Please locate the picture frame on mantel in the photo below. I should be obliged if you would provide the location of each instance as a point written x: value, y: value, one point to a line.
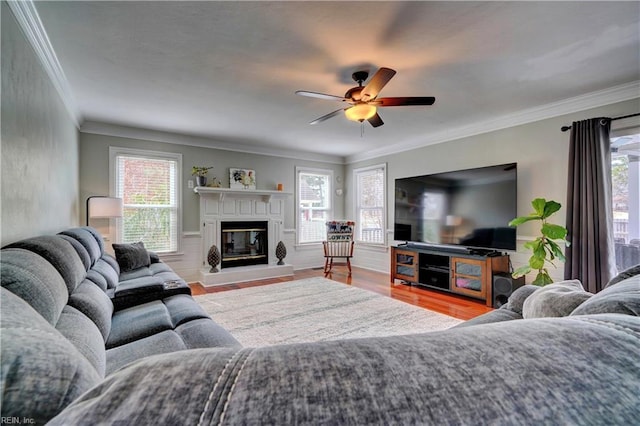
x: 242, y: 178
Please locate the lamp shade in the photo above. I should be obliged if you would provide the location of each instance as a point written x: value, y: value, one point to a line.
x: 360, y: 112
x: 104, y: 207
x: 452, y: 220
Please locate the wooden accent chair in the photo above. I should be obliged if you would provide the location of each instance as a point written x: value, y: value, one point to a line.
x: 339, y: 243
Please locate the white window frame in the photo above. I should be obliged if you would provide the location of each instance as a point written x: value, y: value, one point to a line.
x: 329, y: 208
x: 155, y: 155
x: 357, y: 207
x: 623, y: 127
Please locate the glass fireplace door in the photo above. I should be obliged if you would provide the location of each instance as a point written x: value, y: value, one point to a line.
x: 244, y: 243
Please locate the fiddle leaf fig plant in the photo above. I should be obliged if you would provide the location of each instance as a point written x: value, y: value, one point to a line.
x: 545, y: 248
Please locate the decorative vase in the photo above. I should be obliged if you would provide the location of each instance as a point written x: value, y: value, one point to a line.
x: 213, y: 258
x: 201, y: 181
x: 281, y: 252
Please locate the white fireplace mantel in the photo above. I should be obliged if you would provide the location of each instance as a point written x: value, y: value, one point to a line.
x: 224, y: 204
x: 221, y: 193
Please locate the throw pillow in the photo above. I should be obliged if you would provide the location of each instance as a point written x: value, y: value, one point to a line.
x: 555, y: 300
x: 622, y: 298
x: 627, y: 273
x: 517, y: 298
x: 131, y: 256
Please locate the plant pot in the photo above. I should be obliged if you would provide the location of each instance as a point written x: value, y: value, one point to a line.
x: 201, y: 181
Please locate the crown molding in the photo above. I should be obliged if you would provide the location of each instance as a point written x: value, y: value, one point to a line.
x: 108, y: 129
x: 596, y: 99
x: 29, y: 22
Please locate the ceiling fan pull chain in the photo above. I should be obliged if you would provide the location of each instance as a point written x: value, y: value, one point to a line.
x: 362, y: 129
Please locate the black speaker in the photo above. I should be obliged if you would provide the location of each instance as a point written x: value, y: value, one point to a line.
x: 503, y: 286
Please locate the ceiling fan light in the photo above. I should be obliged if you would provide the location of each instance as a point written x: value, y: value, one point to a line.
x: 360, y: 112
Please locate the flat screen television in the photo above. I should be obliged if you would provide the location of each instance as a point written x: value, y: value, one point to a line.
x: 462, y: 209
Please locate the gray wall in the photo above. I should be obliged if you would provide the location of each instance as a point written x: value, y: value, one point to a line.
x: 539, y: 148
x: 94, y: 171
x: 48, y: 169
x: 39, y: 144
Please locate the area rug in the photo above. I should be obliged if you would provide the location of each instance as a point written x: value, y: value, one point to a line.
x: 315, y: 309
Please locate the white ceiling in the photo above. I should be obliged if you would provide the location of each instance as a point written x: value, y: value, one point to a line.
x: 227, y: 71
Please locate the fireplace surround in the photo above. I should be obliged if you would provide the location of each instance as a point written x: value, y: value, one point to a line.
x: 249, y: 255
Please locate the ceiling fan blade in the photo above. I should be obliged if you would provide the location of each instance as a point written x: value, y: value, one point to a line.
x: 376, y: 121
x: 320, y: 96
x: 326, y: 117
x: 404, y: 101
x: 377, y: 82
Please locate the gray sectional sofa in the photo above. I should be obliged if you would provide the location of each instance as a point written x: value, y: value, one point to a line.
x: 552, y: 355
x: 64, y: 290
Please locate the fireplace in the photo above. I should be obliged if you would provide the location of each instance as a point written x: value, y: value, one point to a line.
x: 244, y: 243
x: 223, y: 210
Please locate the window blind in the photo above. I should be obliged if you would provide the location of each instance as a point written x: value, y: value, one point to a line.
x: 148, y: 187
x: 314, y: 204
x: 370, y: 204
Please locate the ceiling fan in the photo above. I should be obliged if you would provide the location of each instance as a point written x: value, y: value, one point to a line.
x: 363, y: 101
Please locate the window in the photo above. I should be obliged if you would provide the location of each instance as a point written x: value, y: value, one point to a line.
x: 149, y: 184
x: 313, y: 191
x: 625, y: 179
x: 370, y: 203
x: 433, y: 208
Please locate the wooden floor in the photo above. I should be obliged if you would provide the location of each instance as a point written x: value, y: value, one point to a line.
x: 455, y: 306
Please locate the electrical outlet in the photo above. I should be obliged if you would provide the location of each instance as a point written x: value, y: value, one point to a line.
x: 190, y: 184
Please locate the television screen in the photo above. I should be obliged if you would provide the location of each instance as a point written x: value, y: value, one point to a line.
x: 470, y: 208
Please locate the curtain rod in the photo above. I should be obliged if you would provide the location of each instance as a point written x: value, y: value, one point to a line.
x: 565, y: 128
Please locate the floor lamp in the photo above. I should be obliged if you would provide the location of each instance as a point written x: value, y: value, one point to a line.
x: 101, y: 207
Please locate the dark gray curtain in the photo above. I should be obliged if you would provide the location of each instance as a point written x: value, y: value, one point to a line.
x: 591, y: 256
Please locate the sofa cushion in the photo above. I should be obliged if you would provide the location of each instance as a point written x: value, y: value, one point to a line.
x: 60, y: 253
x: 555, y: 300
x: 627, y: 273
x: 569, y: 371
x: 98, y: 279
x: 136, y: 285
x: 144, y: 283
x: 84, y: 335
x: 497, y: 315
x: 622, y: 298
x: 93, y: 302
x: 131, y: 256
x: 163, y: 272
x: 183, y: 308
x: 205, y: 333
x: 111, y: 261
x: 171, y: 324
x: 160, y: 343
x: 134, y: 274
x: 83, y: 254
x: 149, y: 318
x: 158, y: 268
x: 89, y: 240
x: 104, y: 267
x: 42, y: 372
x: 161, y: 268
x: 35, y: 280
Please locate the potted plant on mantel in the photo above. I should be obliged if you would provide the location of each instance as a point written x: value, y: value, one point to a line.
x: 201, y: 174
x: 545, y: 249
